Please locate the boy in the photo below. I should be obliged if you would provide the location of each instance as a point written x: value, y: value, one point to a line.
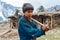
x: 27, y: 29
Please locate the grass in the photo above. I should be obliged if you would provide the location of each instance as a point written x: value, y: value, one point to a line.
x: 51, y: 35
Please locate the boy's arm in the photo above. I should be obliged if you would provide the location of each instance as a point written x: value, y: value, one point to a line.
x: 31, y: 31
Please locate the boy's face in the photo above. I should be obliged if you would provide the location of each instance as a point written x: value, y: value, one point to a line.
x: 28, y: 13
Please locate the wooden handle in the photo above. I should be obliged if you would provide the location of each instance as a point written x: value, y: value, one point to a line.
x: 37, y: 22
x: 41, y: 25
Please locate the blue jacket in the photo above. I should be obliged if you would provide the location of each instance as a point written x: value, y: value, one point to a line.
x: 27, y: 30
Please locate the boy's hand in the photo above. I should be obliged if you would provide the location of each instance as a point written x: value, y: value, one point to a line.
x: 45, y: 27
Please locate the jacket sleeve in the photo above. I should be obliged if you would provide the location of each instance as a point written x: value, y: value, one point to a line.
x: 39, y: 32
x: 31, y: 31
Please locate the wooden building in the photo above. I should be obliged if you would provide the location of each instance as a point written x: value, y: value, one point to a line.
x: 43, y: 17
x: 14, y: 20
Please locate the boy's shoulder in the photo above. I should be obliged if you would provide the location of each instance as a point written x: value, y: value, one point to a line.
x: 22, y: 19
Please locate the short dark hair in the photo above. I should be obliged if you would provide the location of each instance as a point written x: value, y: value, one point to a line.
x: 26, y: 7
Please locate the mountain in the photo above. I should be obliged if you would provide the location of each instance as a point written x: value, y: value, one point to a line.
x: 54, y: 8
x: 7, y: 10
x: 1, y: 18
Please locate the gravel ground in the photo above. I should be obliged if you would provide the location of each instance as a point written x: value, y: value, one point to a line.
x: 53, y: 34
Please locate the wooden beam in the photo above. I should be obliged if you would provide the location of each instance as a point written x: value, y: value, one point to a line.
x: 1, y: 34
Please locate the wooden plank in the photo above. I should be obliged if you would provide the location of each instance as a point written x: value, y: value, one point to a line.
x: 1, y: 34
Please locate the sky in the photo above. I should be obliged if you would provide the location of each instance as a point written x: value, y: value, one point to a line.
x: 35, y: 3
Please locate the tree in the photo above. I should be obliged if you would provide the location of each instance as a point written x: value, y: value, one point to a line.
x: 41, y: 9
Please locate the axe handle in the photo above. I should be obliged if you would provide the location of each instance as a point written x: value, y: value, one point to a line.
x: 37, y: 22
